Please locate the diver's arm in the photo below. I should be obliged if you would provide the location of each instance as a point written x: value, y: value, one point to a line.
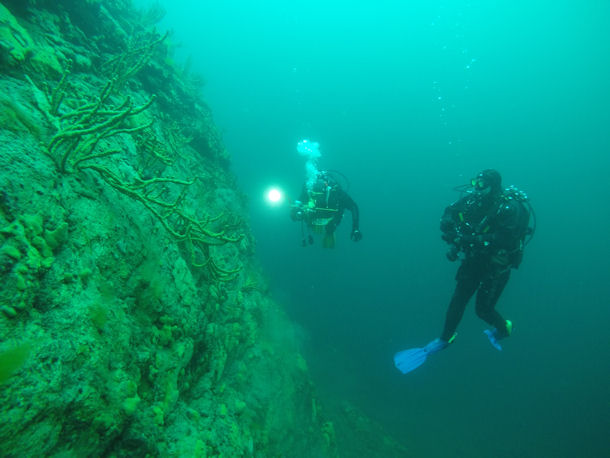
x: 348, y: 203
x: 450, y: 220
x: 297, y: 206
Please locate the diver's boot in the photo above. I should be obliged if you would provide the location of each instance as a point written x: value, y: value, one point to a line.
x: 494, y: 335
x: 438, y: 344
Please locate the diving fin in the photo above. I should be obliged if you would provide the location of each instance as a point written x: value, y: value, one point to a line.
x: 409, y: 360
x: 494, y: 336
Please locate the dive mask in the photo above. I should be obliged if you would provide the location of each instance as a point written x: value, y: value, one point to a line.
x: 480, y: 185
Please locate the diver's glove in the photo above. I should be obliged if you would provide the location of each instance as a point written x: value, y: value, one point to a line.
x: 356, y: 235
x: 453, y: 253
x: 296, y: 211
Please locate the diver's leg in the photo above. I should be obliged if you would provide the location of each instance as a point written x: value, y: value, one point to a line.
x: 467, y: 283
x: 329, y: 235
x: 487, y: 297
x: 329, y: 240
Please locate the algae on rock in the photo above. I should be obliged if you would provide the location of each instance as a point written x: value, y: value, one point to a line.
x: 133, y: 349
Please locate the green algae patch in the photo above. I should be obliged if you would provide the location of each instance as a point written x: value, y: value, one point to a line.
x: 131, y: 404
x: 12, y: 360
x: 57, y: 236
x: 11, y: 251
x: 98, y: 314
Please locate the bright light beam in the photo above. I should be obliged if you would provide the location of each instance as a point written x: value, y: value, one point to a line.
x: 275, y: 196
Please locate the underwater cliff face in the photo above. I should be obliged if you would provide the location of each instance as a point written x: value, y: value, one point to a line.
x: 133, y: 318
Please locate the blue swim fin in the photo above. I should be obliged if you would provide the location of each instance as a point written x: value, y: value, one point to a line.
x: 493, y: 335
x: 409, y: 360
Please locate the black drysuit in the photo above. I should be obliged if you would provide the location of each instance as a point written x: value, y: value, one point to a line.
x: 330, y: 202
x: 490, y: 231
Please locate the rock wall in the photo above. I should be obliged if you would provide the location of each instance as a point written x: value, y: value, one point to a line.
x: 133, y: 318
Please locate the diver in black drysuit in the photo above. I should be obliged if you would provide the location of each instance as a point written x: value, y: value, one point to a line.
x: 323, y: 206
x: 489, y: 228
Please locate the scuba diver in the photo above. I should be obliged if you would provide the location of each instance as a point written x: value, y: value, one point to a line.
x: 488, y: 228
x: 320, y: 208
